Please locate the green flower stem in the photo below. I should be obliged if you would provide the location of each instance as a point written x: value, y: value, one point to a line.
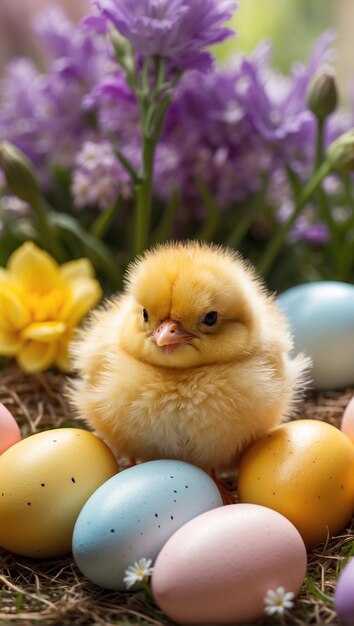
x: 348, y: 191
x: 144, y: 196
x: 152, y: 108
x: 346, y: 255
x: 102, y: 223
x: 211, y: 224
x: 164, y: 228
x: 294, y: 182
x: 241, y: 229
x: 275, y: 244
x: 319, y: 154
x: 129, y: 168
x: 146, y: 588
x: 325, y: 209
x: 48, y: 231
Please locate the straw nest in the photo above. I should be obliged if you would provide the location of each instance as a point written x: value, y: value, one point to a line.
x: 55, y: 592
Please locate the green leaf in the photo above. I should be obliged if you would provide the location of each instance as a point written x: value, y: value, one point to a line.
x: 100, y: 255
x: 211, y: 224
x: 101, y: 224
x: 164, y: 228
x: 246, y: 221
x: 24, y: 229
x: 311, y: 586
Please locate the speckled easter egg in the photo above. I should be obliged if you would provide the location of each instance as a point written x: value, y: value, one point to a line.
x: 347, y: 423
x: 217, y: 568
x: 305, y: 470
x: 321, y: 317
x: 9, y: 430
x: 344, y: 594
x: 45, y: 480
x: 133, y: 514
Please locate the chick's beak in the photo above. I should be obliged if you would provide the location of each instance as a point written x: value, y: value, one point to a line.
x: 170, y: 334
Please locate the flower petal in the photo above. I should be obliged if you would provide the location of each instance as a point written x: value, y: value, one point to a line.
x: 13, y: 313
x: 4, y: 275
x: 73, y: 270
x: 288, y: 596
x: 10, y: 343
x: 33, y: 268
x: 270, y: 610
x: 44, y: 332
x: 37, y: 357
x: 288, y: 604
x: 86, y: 292
x: 270, y: 596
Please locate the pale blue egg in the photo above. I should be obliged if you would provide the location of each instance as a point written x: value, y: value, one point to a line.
x: 132, y: 515
x: 321, y: 317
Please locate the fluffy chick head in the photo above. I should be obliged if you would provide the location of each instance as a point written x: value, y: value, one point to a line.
x: 190, y: 304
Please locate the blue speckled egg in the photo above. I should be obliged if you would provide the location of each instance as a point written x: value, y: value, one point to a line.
x: 132, y: 515
x: 321, y: 316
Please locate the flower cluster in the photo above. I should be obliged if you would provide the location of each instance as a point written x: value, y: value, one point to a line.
x: 99, y: 179
x: 131, y: 106
x: 180, y: 30
x: 42, y: 113
x: 230, y: 128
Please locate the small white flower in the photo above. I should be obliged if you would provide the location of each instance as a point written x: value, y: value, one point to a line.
x: 278, y: 601
x: 141, y: 570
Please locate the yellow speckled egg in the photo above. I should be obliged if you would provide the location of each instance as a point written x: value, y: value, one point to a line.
x: 305, y: 470
x: 45, y: 480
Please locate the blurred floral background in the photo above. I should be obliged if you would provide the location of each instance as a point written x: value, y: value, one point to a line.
x: 107, y: 149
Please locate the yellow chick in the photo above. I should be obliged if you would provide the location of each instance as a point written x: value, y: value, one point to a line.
x: 190, y: 362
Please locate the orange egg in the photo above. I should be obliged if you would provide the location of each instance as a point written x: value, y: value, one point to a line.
x: 305, y: 470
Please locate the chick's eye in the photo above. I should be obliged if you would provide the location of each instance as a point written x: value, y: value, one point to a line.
x: 210, y: 318
x: 145, y: 315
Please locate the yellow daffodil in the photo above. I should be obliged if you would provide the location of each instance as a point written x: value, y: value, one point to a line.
x: 41, y: 304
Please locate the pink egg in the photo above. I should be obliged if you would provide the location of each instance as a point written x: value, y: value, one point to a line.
x: 217, y: 568
x: 347, y: 425
x: 9, y: 430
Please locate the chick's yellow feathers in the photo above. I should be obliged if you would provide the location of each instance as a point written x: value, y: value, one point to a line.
x: 190, y: 362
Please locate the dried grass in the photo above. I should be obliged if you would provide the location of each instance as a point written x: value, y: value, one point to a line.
x: 55, y: 592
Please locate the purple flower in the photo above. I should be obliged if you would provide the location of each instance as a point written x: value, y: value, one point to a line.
x: 22, y: 106
x: 42, y: 113
x: 98, y: 177
x: 211, y: 135
x: 277, y: 105
x: 115, y: 106
x: 307, y: 228
x: 179, y: 30
x: 71, y: 51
